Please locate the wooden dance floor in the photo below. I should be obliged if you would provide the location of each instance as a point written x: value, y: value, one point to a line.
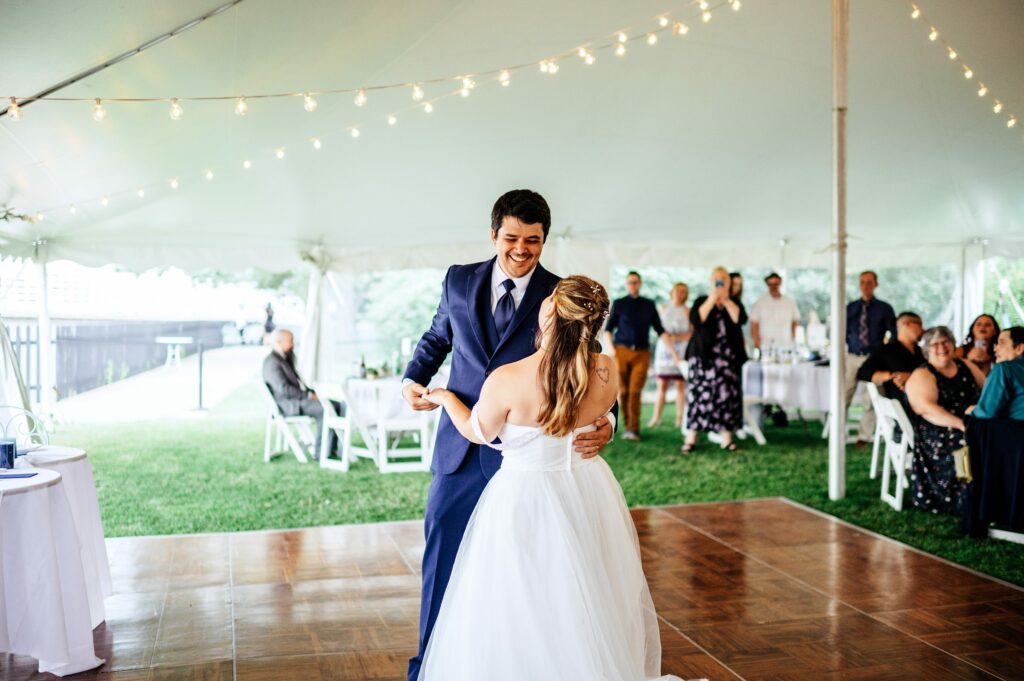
x: 762, y: 589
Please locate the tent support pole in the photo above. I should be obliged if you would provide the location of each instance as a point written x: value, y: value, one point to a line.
x: 837, y: 368
x: 46, y: 376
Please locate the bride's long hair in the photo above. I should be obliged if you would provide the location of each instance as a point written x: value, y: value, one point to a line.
x: 568, y: 341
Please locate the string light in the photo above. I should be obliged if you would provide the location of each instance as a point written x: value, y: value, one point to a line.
x: 176, y: 111
x: 241, y: 106
x: 982, y: 91
x: 392, y: 119
x: 355, y: 132
x: 360, y: 99
x: 98, y: 112
x: 998, y: 107
x: 622, y: 37
x: 933, y: 36
x: 704, y: 5
x: 173, y: 182
x: 428, y: 107
x: 141, y: 193
x: 680, y: 28
x: 968, y: 73
x: 14, y: 111
x: 464, y: 92
x: 316, y: 143
x: 705, y: 17
x: 245, y: 164
x: 504, y: 77
x: 73, y: 209
x: 279, y: 153
x: 208, y: 174
x: 545, y: 66
x: 581, y: 52
x: 104, y: 200
x: 417, y: 93
x: 952, y: 53
x: 736, y: 5
x: 620, y: 49
x: 308, y: 103
x: 663, y: 21
x: 1012, y: 122
x: 652, y: 38
x: 40, y: 217
x: 915, y: 12
x: 589, y: 59
x: 553, y: 67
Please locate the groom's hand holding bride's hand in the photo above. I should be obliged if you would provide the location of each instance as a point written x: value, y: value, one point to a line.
x: 435, y: 396
x: 415, y: 395
x: 590, y: 444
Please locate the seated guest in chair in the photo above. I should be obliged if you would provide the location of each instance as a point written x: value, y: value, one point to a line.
x: 294, y: 397
x: 979, y: 346
x: 890, y: 365
x: 941, y: 393
x: 1003, y: 396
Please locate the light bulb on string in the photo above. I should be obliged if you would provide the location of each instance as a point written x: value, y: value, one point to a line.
x: 241, y: 106
x: 317, y: 144
x: 652, y: 38
x: 308, y: 103
x: 680, y: 28
x: 173, y: 182
x: 620, y: 49
x: 553, y: 67
x: 589, y: 59
x: 504, y: 77
x: 72, y: 209
x: 14, y: 111
x: 581, y: 52
x: 915, y: 12
x: 703, y: 5
x: 934, y: 34
x: 622, y: 37
x: 176, y: 111
x: 245, y: 164
x: 982, y: 90
x: 545, y: 66
x: 968, y: 73
x: 952, y: 53
x: 40, y: 217
x: 736, y: 5
x: 1012, y: 122
x: 279, y: 153
x: 464, y: 92
x: 998, y: 107
x: 355, y: 132
x: 428, y: 107
x: 208, y: 174
x: 104, y: 200
x: 417, y: 93
x: 663, y: 21
x: 141, y: 193
x: 392, y: 119
x: 705, y: 17
x: 98, y: 112
x: 468, y: 83
x: 360, y: 99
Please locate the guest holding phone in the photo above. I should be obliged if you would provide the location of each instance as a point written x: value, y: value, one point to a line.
x: 715, y: 356
x: 979, y: 345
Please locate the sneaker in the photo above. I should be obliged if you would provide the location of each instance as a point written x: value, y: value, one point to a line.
x: 630, y: 435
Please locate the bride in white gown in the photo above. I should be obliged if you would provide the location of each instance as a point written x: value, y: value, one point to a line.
x: 547, y: 585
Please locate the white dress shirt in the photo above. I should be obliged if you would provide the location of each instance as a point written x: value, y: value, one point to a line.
x: 498, y: 277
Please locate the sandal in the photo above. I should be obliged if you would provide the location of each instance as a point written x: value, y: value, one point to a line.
x: 688, y: 448
x: 731, y: 447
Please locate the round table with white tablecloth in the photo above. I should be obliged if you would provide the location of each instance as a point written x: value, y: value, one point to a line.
x: 74, y: 467
x: 44, y: 606
x: 800, y: 385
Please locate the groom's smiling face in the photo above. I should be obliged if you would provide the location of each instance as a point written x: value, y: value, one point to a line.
x: 518, y: 245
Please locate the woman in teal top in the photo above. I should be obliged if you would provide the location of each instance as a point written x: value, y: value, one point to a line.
x: 1003, y: 396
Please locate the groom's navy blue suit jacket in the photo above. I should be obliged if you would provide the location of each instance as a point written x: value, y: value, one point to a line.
x: 464, y: 325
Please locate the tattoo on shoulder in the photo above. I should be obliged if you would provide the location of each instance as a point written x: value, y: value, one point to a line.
x: 603, y: 373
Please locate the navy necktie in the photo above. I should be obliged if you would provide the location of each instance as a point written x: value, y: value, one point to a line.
x: 506, y: 309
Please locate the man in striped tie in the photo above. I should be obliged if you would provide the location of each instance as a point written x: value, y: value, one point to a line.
x: 868, y: 321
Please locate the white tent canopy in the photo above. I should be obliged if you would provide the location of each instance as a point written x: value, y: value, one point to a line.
x: 711, y: 146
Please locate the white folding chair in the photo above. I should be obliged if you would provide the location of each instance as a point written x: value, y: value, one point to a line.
x: 342, y: 426
x: 897, y: 454
x: 876, y: 398
x: 394, y: 459
x: 297, y: 432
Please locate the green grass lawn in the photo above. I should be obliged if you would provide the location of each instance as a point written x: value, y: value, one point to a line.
x: 207, y: 475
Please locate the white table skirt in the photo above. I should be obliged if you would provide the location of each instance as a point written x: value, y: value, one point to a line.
x: 44, y: 607
x: 75, y: 469
x: 803, y: 385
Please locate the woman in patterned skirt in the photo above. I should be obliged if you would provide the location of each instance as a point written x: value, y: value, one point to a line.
x: 940, y: 393
x: 715, y: 357
x: 675, y: 317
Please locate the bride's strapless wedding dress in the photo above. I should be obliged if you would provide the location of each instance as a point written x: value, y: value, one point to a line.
x: 547, y: 585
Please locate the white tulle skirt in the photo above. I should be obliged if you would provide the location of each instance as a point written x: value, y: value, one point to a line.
x: 547, y: 585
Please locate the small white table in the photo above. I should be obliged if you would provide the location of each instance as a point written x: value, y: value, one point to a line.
x: 800, y: 385
x: 174, y: 345
x: 44, y: 605
x: 76, y: 471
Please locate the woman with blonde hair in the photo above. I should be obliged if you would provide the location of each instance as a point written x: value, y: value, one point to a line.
x: 675, y: 317
x: 547, y: 584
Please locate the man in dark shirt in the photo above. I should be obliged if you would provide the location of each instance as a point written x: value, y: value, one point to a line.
x: 890, y: 366
x: 631, y: 319
x: 868, y: 319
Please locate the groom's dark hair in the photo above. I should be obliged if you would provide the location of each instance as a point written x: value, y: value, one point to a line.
x: 525, y: 205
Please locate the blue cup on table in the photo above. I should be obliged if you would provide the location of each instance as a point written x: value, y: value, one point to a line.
x: 8, y: 452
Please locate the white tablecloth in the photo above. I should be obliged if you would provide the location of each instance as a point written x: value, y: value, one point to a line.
x: 803, y: 385
x: 44, y: 606
x: 74, y: 467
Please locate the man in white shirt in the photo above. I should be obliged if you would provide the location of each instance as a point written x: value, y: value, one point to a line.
x: 774, y: 317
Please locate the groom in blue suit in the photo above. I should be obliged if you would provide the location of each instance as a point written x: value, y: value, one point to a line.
x: 488, y: 316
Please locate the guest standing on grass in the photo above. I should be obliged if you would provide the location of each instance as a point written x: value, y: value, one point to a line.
x: 941, y: 392
x: 675, y: 317
x: 715, y: 356
x: 631, y: 320
x: 868, y: 320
